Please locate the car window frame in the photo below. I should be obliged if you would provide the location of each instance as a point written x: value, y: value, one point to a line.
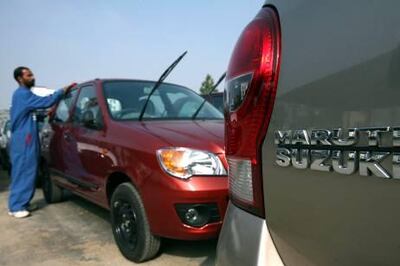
x: 53, y: 120
x: 78, y: 123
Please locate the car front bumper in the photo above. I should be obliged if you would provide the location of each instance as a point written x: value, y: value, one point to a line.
x: 162, y: 198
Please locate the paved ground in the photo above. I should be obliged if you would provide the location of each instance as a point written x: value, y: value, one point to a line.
x: 77, y: 232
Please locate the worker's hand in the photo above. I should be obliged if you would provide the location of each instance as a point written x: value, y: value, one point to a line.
x: 69, y: 87
x: 50, y: 111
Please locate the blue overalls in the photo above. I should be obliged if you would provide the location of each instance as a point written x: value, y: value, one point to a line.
x: 24, y: 148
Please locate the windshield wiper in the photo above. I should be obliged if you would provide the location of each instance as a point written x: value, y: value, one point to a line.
x: 160, y: 80
x: 205, y: 100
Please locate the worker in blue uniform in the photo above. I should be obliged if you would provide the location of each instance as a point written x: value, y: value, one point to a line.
x: 24, y: 149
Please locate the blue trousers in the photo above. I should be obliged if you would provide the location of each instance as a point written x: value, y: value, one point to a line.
x: 24, y: 151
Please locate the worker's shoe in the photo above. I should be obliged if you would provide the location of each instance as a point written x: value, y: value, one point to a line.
x: 19, y: 214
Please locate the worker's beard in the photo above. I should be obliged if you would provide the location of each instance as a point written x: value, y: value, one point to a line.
x: 30, y: 84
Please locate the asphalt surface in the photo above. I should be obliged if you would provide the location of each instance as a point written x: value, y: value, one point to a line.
x: 77, y: 232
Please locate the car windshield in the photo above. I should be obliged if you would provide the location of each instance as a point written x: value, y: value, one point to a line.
x: 126, y: 99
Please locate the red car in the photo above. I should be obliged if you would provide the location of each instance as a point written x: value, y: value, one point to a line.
x: 161, y: 171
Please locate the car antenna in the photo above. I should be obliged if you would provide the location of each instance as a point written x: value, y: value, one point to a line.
x: 160, y: 80
x: 211, y: 91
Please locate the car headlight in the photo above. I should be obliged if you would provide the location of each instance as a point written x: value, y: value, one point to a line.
x: 185, y: 163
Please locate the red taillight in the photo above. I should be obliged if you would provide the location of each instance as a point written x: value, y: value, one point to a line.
x: 250, y: 94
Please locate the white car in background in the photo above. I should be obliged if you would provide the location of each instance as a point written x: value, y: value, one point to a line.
x: 42, y: 91
x: 5, y: 135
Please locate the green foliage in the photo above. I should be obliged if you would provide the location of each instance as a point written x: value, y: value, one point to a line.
x: 207, y: 85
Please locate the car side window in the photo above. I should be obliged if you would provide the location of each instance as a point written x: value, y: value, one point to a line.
x: 64, y: 107
x: 87, y: 111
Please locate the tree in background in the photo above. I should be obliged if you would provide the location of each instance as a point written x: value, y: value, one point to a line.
x: 207, y: 85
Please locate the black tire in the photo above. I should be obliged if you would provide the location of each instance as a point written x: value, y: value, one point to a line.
x: 51, y: 192
x: 39, y: 177
x: 130, y: 225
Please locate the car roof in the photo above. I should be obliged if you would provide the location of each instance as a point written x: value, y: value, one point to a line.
x: 102, y: 80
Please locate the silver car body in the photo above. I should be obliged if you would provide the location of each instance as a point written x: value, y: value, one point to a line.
x: 340, y: 68
x: 5, y: 135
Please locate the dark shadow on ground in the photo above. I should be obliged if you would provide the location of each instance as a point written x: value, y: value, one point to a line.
x: 191, y: 249
x: 89, y: 206
x: 4, y: 181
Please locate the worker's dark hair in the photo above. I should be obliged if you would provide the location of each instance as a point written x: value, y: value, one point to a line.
x: 18, y: 72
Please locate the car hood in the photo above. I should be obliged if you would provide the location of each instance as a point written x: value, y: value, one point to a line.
x: 201, y: 135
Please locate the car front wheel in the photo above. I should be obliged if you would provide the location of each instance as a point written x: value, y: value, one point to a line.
x: 130, y: 225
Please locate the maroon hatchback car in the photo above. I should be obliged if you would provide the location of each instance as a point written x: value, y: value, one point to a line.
x: 161, y: 171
